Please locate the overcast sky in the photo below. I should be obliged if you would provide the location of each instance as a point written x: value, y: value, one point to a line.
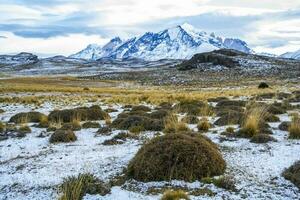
x: 65, y: 27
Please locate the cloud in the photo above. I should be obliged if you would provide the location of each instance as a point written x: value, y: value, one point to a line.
x: 269, y: 25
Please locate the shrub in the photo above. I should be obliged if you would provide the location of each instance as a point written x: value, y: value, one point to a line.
x: 230, y: 103
x: 203, y: 125
x: 293, y: 174
x: 263, y: 85
x: 74, y: 188
x: 120, y: 138
x: 262, y: 138
x: 175, y: 195
x: 62, y: 136
x: 190, y: 119
x: 294, y: 128
x: 24, y: 129
x: 90, y: 125
x: 80, y: 114
x: 125, y: 123
x: 136, y: 129
x: 169, y: 157
x: 27, y: 117
x: 159, y: 114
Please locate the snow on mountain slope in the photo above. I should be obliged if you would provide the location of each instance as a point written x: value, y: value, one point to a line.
x: 294, y: 55
x: 180, y: 42
x: 19, y: 59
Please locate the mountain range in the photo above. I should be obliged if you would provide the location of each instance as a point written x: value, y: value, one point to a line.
x: 180, y: 42
x: 293, y: 55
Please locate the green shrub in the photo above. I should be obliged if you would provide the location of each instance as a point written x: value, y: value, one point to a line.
x: 175, y: 195
x: 62, y: 136
x: 169, y: 157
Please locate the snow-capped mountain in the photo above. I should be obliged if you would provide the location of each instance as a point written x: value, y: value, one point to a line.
x: 294, y: 55
x: 180, y: 42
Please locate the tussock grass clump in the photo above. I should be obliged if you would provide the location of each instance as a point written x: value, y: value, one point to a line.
x: 192, y: 107
x: 75, y: 187
x: 74, y: 126
x: 62, y: 136
x: 2, y: 111
x: 225, y: 182
x: 79, y: 114
x: 120, y: 138
x: 104, y: 130
x: 230, y: 130
x: 2, y: 127
x: 27, y: 117
x: 284, y: 126
x: 175, y: 195
x: 254, y: 121
x: 169, y: 157
x: 294, y: 128
x: 190, y: 119
x: 203, y: 125
x: 44, y: 123
x: 172, y: 125
x: 231, y: 103
x: 293, y: 174
x: 24, y: 129
x: 262, y: 138
x: 229, y: 117
x: 141, y: 108
x: 90, y: 125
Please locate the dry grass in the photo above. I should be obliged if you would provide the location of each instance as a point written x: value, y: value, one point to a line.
x: 254, y: 118
x: 114, y: 92
x: 172, y: 125
x: 294, y: 128
x: 175, y: 195
x: 203, y: 125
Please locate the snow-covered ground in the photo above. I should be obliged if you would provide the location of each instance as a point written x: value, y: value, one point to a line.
x: 32, y: 168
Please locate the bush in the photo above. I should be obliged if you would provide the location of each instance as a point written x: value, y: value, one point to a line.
x: 262, y: 138
x: 74, y: 188
x: 62, y: 136
x: 263, y: 85
x: 80, y: 114
x: 225, y: 182
x: 294, y: 128
x: 293, y: 174
x: 27, y: 117
x: 230, y: 130
x: 175, y: 195
x: 230, y: 103
x: 169, y: 157
x: 90, y: 125
x: 120, y: 138
x: 24, y: 129
x: 2, y: 111
x: 159, y: 114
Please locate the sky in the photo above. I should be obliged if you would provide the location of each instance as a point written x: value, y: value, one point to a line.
x: 64, y: 27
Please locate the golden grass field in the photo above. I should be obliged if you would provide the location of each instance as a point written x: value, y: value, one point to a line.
x: 124, y: 92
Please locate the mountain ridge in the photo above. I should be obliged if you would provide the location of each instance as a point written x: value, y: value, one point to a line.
x: 179, y: 42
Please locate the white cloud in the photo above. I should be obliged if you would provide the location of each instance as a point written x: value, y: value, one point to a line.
x: 63, y: 45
